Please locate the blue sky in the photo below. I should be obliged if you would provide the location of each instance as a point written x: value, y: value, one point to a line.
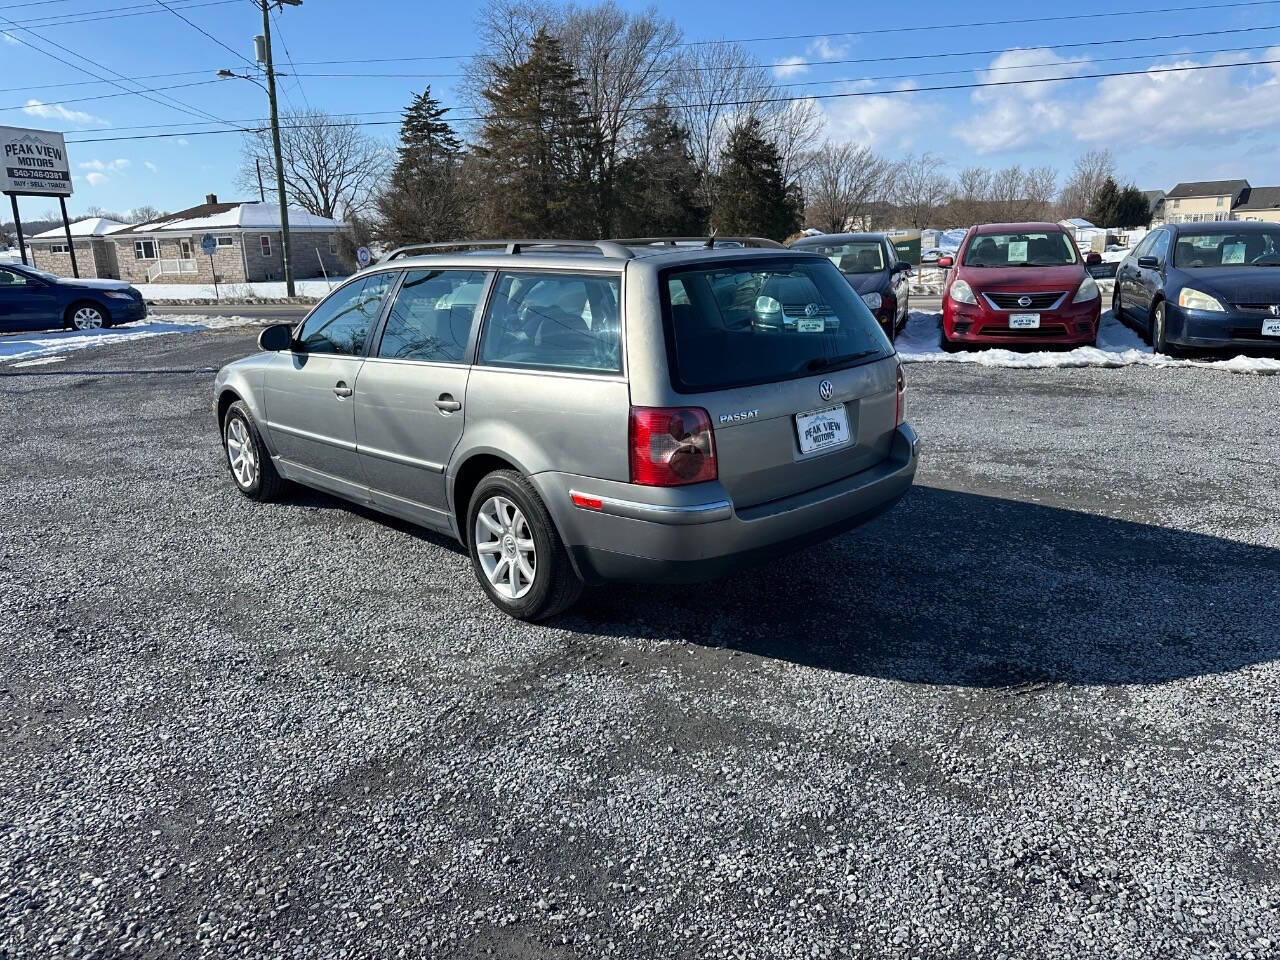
x: 1161, y: 127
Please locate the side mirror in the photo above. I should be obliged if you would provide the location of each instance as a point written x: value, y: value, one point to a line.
x: 277, y: 337
x: 945, y: 262
x: 1148, y: 263
x: 1092, y: 259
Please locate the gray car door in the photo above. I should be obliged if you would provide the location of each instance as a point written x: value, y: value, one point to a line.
x: 410, y: 391
x: 309, y: 392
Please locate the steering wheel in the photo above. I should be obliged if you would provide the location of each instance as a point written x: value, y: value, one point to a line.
x: 1271, y: 259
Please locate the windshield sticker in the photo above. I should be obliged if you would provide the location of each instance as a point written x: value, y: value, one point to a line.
x: 1233, y: 253
x: 1017, y: 251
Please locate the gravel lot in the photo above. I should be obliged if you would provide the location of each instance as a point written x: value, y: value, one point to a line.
x: 1033, y: 712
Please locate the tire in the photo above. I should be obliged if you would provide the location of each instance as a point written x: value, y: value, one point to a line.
x: 1157, y: 334
x: 247, y: 458
x: 948, y: 345
x: 524, y: 537
x: 85, y: 316
x: 1116, y: 311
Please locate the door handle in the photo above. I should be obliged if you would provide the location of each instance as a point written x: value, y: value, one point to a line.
x: 446, y: 404
x: 341, y: 390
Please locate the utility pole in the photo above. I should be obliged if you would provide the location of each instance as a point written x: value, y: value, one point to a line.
x: 286, y: 248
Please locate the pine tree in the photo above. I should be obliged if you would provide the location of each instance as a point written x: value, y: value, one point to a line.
x: 660, y: 186
x: 751, y: 197
x: 1103, y: 211
x: 1132, y: 209
x: 535, y: 144
x: 424, y: 200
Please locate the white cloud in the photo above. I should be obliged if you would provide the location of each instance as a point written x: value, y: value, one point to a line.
x: 1022, y: 114
x: 56, y: 111
x: 825, y: 49
x: 182, y: 141
x: 150, y: 166
x: 887, y: 124
x: 789, y: 67
x: 96, y: 179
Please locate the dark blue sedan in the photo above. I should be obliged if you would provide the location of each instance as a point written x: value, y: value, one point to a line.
x: 1203, y: 285
x: 31, y: 299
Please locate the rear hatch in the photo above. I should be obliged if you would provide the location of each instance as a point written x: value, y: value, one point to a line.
x: 798, y: 377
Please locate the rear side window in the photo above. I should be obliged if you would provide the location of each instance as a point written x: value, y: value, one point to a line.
x: 761, y: 321
x: 432, y: 315
x: 554, y: 322
x: 341, y: 324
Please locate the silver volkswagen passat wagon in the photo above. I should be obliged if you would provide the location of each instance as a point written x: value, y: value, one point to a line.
x: 578, y: 412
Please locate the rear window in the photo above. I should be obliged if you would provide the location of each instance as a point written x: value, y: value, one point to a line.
x: 761, y: 321
x: 1044, y: 249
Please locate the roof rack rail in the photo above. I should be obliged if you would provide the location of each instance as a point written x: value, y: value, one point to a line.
x: 707, y: 242
x: 606, y: 248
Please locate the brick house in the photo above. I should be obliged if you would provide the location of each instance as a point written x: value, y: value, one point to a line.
x: 95, y: 253
x: 248, y: 238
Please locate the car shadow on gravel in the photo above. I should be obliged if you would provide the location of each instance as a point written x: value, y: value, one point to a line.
x: 299, y: 496
x: 960, y: 589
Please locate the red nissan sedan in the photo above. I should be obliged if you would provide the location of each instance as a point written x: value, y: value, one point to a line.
x: 1018, y: 283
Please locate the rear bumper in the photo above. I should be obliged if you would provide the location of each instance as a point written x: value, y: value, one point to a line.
x: 1070, y: 324
x: 690, y: 534
x: 1213, y: 330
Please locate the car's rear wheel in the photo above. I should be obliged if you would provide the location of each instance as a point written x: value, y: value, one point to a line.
x: 1116, y: 310
x: 516, y: 551
x: 247, y: 456
x: 86, y: 316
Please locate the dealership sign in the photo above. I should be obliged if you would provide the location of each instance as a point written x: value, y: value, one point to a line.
x: 34, y: 162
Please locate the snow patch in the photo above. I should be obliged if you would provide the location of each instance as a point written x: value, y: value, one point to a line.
x: 238, y: 291
x: 1118, y: 346
x: 41, y: 346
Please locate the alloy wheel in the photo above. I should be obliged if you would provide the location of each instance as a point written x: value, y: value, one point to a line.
x: 87, y: 318
x: 505, y: 547
x: 241, y: 453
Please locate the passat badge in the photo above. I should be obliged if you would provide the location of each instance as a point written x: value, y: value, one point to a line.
x: 826, y: 389
x: 740, y: 415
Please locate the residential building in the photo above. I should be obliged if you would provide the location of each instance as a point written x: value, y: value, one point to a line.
x: 247, y: 240
x: 1204, y: 200
x: 1263, y: 203
x: 95, y: 254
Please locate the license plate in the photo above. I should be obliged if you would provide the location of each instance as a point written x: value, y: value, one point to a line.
x: 823, y: 429
x: 1271, y: 328
x: 1024, y: 321
x: 810, y: 326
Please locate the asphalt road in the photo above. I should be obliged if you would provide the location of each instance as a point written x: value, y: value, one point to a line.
x: 1033, y: 712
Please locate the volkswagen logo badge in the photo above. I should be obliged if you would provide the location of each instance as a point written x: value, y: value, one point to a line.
x: 825, y: 389
x: 811, y: 310
x: 1024, y: 301
x: 1275, y: 310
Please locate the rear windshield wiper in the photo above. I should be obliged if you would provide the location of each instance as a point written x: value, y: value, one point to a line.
x: 822, y: 363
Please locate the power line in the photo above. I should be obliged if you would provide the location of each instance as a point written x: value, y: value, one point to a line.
x: 289, y: 57
x: 90, y: 83
x: 124, y: 93
x: 109, y: 13
x: 196, y: 26
x: 1193, y: 68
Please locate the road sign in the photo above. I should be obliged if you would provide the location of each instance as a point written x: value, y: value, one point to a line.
x: 208, y: 244
x: 363, y: 256
x: 34, y: 162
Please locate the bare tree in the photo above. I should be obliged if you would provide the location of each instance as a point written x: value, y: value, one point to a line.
x: 1091, y: 171
x: 841, y: 183
x: 1040, y: 190
x: 920, y: 188
x: 793, y: 126
x: 971, y: 197
x: 331, y: 168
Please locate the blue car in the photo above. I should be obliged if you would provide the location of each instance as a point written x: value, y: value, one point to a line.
x: 31, y: 299
x: 1203, y: 285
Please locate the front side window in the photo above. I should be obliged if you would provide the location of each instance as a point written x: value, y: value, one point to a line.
x: 341, y: 324
x: 1160, y: 248
x: 144, y: 249
x: 1259, y: 248
x: 11, y: 278
x: 1045, y: 249
x: 554, y: 322
x: 432, y: 315
x: 762, y: 321
x: 266, y: 245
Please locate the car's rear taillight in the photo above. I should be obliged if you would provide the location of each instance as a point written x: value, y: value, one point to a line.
x: 902, y: 397
x: 671, y: 446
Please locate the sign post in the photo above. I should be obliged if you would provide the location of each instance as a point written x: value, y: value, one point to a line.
x: 209, y: 245
x: 33, y: 163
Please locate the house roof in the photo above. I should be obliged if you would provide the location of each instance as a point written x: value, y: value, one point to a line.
x: 232, y: 216
x: 1208, y: 188
x: 1262, y: 198
x: 91, y: 227
x: 1080, y: 223
x: 1154, y: 198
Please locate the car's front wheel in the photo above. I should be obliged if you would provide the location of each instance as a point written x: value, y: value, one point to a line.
x: 1117, y: 309
x: 247, y: 456
x: 86, y: 316
x: 516, y: 551
x: 1159, y: 335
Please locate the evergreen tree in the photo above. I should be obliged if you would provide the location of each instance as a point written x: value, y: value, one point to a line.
x: 659, y: 186
x: 751, y: 196
x: 1132, y: 208
x: 424, y: 200
x: 1103, y: 211
x: 535, y: 144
